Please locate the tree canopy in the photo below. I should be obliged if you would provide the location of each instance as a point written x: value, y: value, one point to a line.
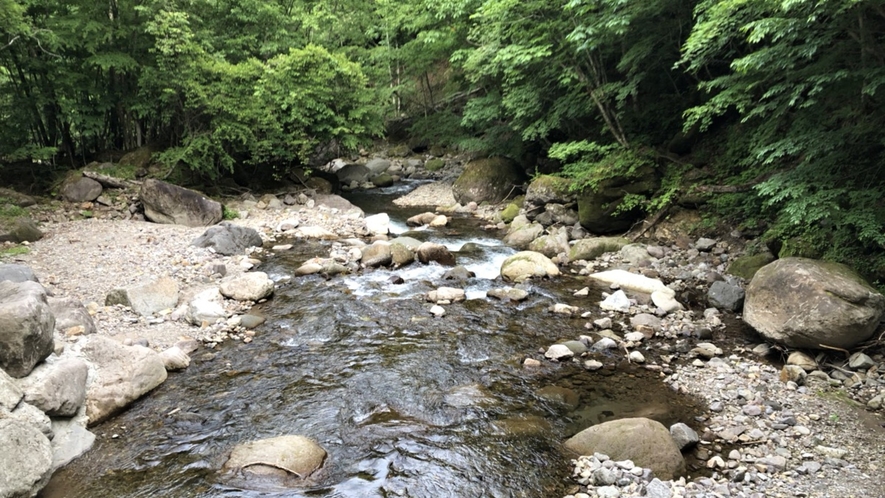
x: 777, y: 100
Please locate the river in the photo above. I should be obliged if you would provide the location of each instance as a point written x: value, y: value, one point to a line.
x: 406, y: 404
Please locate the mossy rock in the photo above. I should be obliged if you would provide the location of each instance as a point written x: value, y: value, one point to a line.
x: 800, y: 248
x: 598, y: 209
x: 488, y: 180
x: 510, y: 212
x: 401, y: 150
x: 592, y: 248
x: 437, y: 150
x: 747, y: 265
x: 435, y: 164
x: 548, y: 188
x: 383, y: 180
x: 139, y: 158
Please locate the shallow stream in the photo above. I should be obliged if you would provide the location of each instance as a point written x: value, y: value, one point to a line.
x: 405, y: 404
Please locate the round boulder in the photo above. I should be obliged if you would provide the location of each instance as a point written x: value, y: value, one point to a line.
x: 527, y: 264
x: 488, y: 180
x: 644, y: 441
x: 283, y: 460
x: 805, y: 303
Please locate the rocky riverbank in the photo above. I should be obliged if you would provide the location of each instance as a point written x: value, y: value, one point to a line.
x: 762, y: 436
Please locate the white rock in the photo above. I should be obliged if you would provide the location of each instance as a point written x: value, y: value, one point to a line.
x: 633, y: 281
x: 437, y: 310
x: 559, y: 352
x: 618, y: 301
x: 636, y: 357
x: 378, y: 224
x: 666, y: 301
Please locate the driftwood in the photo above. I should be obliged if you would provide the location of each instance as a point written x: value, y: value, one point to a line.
x: 110, y: 181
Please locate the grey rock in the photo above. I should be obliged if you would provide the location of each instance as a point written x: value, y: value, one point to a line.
x: 146, y: 298
x: 725, y: 296
x: 576, y: 347
x: 297, y: 456
x: 26, y: 327
x: 228, y: 239
x: 657, y: 489
x: 378, y: 254
x: 353, y: 173
x: 171, y: 204
x: 57, y: 388
x: 636, y: 254
x: 430, y: 252
x: 71, y: 313
x: 592, y: 248
x: 81, y: 190
x: 801, y: 302
x: 206, y: 307
x: 175, y: 358
x: 71, y: 440
x: 860, y: 361
x: 521, y: 237
x: 34, y: 417
x: 527, y: 264
x: 644, y: 441
x: 122, y: 375
x: 705, y: 244
x: 10, y: 393
x: 378, y: 165
x: 16, y: 273
x: 509, y: 294
x: 251, y: 286
x: 20, y: 229
x: 683, y: 435
x: 26, y: 459
x: 458, y: 273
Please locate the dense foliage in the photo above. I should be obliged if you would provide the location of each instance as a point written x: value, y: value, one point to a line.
x: 777, y: 103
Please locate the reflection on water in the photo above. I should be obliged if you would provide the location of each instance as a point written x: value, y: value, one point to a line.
x: 406, y: 404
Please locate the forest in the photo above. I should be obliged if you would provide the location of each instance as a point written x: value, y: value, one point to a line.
x: 765, y: 114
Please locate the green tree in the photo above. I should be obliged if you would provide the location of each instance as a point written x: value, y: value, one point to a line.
x: 804, y: 79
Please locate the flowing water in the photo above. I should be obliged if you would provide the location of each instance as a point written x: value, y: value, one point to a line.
x: 405, y: 404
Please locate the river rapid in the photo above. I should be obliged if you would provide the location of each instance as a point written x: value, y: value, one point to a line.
x: 405, y: 403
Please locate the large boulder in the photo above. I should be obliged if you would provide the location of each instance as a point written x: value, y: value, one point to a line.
x: 598, y: 209
x: 378, y: 254
x: 428, y: 252
x: 592, y: 248
x: 122, y: 374
x: 19, y: 229
x: 69, y: 314
x: 146, y: 298
x: 206, y: 308
x: 527, y: 264
x: 284, y: 460
x: 58, y: 388
x: 16, y: 273
x: 171, y: 204
x: 251, y: 286
x: 26, y: 459
x: 644, y: 441
x: 521, y: 236
x: 804, y: 303
x: 351, y: 173
x: 26, y: 327
x: 552, y: 244
x: 488, y: 180
x: 378, y: 165
x: 228, y: 239
x: 545, y: 189
x: 80, y: 189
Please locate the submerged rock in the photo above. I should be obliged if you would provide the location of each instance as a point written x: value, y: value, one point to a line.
x: 282, y: 461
